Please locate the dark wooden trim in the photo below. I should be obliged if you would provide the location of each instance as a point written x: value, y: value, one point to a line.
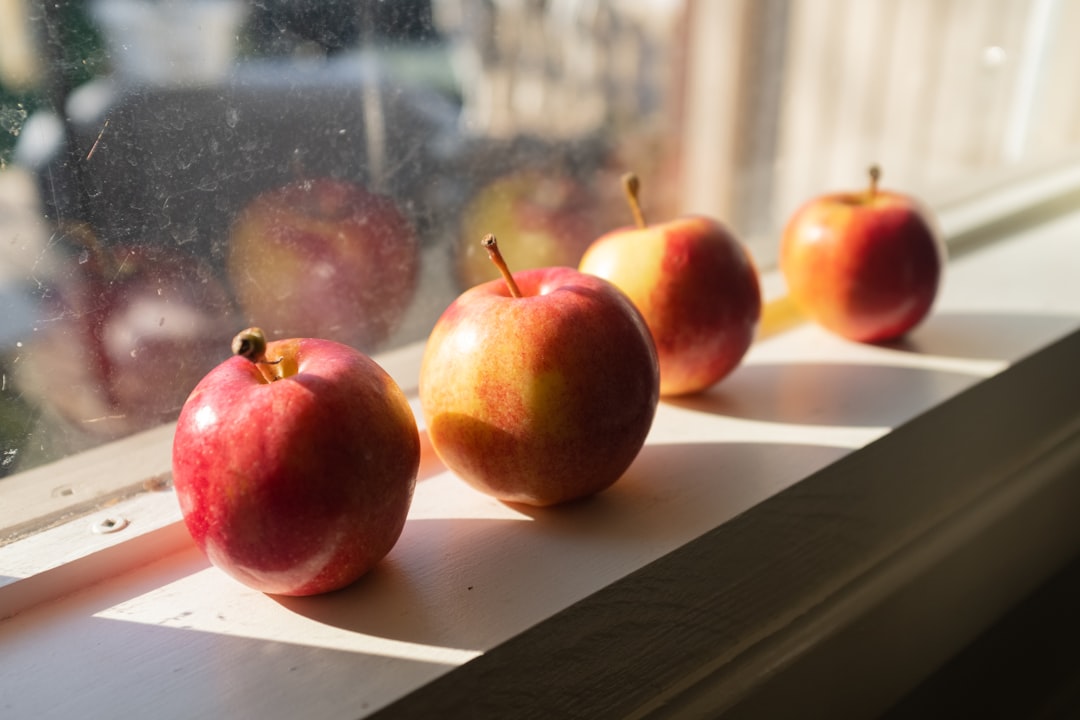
x: 741, y: 608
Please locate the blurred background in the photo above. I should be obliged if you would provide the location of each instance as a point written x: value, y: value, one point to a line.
x: 172, y: 171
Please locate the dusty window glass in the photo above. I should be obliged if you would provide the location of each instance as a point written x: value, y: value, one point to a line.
x: 174, y: 171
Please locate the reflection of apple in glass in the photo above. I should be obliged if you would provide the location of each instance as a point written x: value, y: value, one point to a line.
x: 544, y: 220
x: 294, y: 463
x: 865, y: 265
x: 541, y: 387
x: 323, y: 258
x: 126, y: 331
x: 694, y: 283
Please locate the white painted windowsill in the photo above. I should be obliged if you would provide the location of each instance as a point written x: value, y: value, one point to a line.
x: 138, y: 624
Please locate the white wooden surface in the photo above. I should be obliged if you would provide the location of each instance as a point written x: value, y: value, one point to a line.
x: 177, y: 638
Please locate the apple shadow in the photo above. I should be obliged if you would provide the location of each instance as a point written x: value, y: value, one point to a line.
x: 835, y: 394
x: 879, y: 395
x: 985, y: 336
x: 472, y: 583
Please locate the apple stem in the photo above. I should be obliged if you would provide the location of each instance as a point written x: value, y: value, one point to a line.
x: 632, y: 186
x: 251, y: 344
x: 875, y: 177
x: 492, y: 246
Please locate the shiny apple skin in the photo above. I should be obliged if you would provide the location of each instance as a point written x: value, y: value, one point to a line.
x: 865, y: 268
x: 541, y: 220
x: 301, y: 485
x: 696, y: 287
x: 541, y: 399
x: 324, y: 258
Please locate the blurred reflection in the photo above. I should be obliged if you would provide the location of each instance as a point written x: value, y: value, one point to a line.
x: 123, y: 333
x: 321, y: 168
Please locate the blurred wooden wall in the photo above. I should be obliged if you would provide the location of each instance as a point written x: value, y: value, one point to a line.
x: 790, y: 98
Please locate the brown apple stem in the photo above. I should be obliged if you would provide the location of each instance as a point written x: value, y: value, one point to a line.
x: 875, y: 178
x: 492, y: 246
x: 632, y: 186
x: 251, y: 344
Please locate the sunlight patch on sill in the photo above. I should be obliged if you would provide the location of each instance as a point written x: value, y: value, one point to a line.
x: 445, y: 496
x: 253, y: 615
x: 754, y: 432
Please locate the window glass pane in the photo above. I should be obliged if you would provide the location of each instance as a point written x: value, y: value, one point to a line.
x: 174, y: 171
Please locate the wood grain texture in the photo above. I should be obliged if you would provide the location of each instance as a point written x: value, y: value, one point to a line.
x: 739, y: 595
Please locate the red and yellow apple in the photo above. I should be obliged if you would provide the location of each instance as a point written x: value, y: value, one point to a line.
x: 294, y: 463
x: 865, y: 265
x: 696, y: 287
x: 545, y: 220
x: 539, y: 388
x: 126, y: 331
x: 323, y: 258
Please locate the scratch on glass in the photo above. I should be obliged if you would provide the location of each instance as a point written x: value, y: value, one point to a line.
x: 104, y: 418
x: 94, y: 146
x: 123, y: 264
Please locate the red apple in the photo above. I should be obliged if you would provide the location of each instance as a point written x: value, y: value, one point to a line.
x: 323, y: 258
x: 294, y: 462
x: 696, y: 286
x: 545, y: 220
x: 126, y: 331
x: 539, y: 388
x: 865, y: 265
